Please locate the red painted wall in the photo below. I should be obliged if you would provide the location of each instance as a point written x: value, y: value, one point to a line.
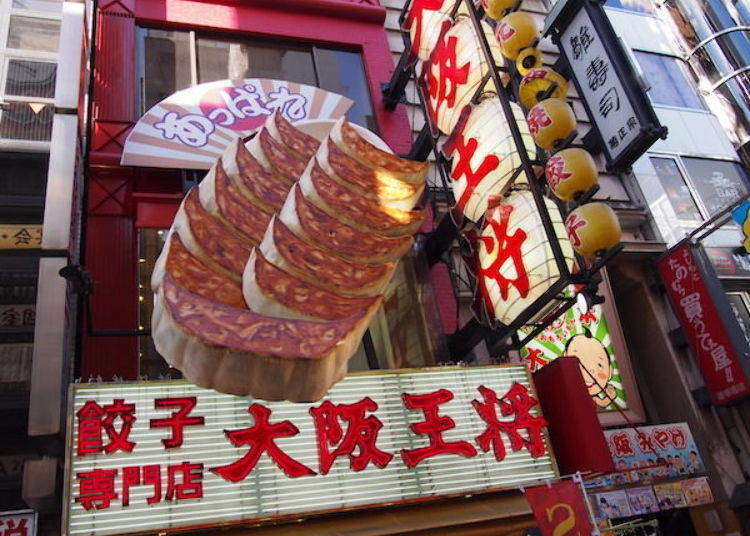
x: 118, y: 197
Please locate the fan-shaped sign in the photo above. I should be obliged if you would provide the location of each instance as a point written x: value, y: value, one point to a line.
x: 193, y: 127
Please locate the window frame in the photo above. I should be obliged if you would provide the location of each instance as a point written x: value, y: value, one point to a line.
x: 683, y: 67
x: 7, y: 54
x: 699, y: 203
x: 194, y: 36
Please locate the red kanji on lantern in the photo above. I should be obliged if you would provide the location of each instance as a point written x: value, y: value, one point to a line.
x: 509, y: 247
x: 504, y: 30
x: 96, y: 488
x: 555, y: 171
x: 466, y: 150
x: 178, y: 420
x: 190, y: 482
x: 517, y: 402
x: 443, y: 88
x: 361, y: 433
x: 16, y: 527
x: 622, y: 446
x: 433, y: 427
x: 538, y: 118
x: 534, y: 358
x: 261, y: 438
x: 416, y: 17
x: 572, y: 224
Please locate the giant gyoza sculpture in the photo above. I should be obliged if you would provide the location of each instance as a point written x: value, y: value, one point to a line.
x: 276, y: 262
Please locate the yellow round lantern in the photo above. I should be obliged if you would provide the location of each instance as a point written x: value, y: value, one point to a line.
x: 515, y: 32
x: 593, y: 228
x: 529, y: 59
x: 484, y: 157
x: 496, y: 8
x: 551, y: 122
x: 570, y: 173
x: 516, y: 263
x: 537, y: 82
x: 456, y: 70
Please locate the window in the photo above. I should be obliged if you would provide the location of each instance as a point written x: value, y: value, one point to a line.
x: 698, y: 188
x: 28, y: 55
x: 718, y: 183
x: 670, y: 83
x: 167, y: 67
x: 23, y: 184
x: 737, y: 300
x: 637, y: 6
x: 677, y: 190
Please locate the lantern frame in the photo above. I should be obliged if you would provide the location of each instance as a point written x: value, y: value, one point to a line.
x: 553, y: 302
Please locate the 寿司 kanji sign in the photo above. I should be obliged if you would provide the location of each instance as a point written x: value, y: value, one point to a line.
x: 717, y: 343
x: 160, y: 455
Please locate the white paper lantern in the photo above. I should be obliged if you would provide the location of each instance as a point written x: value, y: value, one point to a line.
x: 425, y: 21
x: 485, y: 157
x: 516, y: 260
x: 455, y: 71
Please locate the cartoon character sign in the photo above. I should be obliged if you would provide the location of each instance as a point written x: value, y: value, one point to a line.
x: 584, y: 334
x: 596, y: 366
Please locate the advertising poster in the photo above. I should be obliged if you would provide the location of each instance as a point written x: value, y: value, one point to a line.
x: 611, y: 505
x: 642, y: 500
x: 585, y: 335
x: 669, y: 496
x: 697, y: 491
x: 647, y: 454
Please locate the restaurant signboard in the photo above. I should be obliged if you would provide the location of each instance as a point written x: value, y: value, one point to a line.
x: 606, y: 81
x: 152, y: 456
x: 705, y: 314
x: 18, y: 523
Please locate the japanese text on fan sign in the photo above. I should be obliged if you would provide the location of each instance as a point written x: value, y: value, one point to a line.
x: 342, y: 430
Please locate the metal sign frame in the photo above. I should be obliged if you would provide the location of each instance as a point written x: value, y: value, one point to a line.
x: 651, y: 128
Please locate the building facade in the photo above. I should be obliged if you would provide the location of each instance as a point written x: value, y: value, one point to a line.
x: 74, y: 87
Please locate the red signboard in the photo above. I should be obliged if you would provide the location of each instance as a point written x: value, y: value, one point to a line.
x: 560, y: 509
x: 704, y: 326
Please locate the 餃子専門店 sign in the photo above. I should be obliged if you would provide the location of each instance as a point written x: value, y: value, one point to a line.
x: 152, y: 456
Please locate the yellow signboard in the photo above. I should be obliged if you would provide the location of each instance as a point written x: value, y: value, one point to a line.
x: 20, y: 236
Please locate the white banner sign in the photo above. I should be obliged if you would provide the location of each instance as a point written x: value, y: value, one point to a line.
x: 601, y: 87
x: 160, y: 455
x: 18, y: 523
x: 192, y: 128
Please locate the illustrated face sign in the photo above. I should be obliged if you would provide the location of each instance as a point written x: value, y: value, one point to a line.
x: 193, y: 127
x: 586, y: 336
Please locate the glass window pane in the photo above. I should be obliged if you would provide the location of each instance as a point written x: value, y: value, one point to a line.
x: 26, y: 121
x: 30, y: 78
x: 23, y: 184
x: 677, y: 190
x: 670, y: 84
x: 218, y: 60
x: 38, y: 5
x: 29, y: 33
x: 638, y: 6
x: 341, y: 71
x: 741, y: 313
x: 150, y: 362
x: 166, y: 65
x: 717, y: 182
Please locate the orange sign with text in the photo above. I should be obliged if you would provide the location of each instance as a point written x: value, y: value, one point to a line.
x: 560, y: 509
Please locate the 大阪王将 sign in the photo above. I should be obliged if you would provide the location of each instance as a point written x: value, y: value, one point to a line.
x: 165, y: 455
x: 606, y: 81
x: 705, y: 314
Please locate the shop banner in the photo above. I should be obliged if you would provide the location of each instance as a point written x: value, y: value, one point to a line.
x: 18, y: 523
x: 645, y: 454
x: 559, y: 508
x: 705, y: 315
x: 191, y: 128
x: 146, y: 457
